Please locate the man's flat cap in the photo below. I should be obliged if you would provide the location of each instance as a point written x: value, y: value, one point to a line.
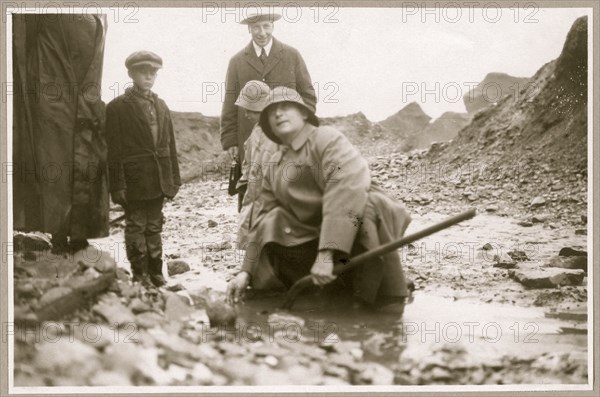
x: 139, y: 58
x: 261, y: 17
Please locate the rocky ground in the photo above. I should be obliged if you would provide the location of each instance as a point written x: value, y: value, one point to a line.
x: 499, y: 299
x: 488, y: 307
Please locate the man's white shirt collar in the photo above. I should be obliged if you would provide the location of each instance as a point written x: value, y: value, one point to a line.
x: 258, y: 49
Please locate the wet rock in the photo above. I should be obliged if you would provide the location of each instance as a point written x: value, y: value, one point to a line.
x: 547, y: 277
x: 54, y: 294
x: 25, y: 289
x: 518, y: 256
x: 212, y: 223
x: 138, y: 306
x: 202, y: 374
x: 568, y: 251
x: 568, y: 262
x: 440, y: 374
x: 122, y: 274
x: 573, y: 315
x: 376, y: 374
x: 174, y: 344
x: 268, y: 350
x: 329, y: 341
x: 95, y: 335
x: 541, y: 218
x: 525, y: 223
x: 31, y: 242
x: 239, y: 369
x: 339, y: 372
x: 110, y: 378
x: 491, y: 208
x: 220, y: 313
x: 284, y: 319
x: 177, y: 267
x: 114, y: 312
x: 577, y: 329
x: 92, y: 256
x: 149, y: 320
x: 537, y: 202
x: 224, y: 245
x: 129, y: 290
x: 374, y: 344
x: 71, y: 358
x: 175, y: 287
x: 177, y: 307
x: 504, y: 261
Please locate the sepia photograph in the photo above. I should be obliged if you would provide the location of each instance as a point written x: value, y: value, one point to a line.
x: 279, y: 197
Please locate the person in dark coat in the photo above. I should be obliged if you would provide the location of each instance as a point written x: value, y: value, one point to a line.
x: 264, y: 59
x: 143, y: 167
x: 60, y: 181
x: 320, y: 206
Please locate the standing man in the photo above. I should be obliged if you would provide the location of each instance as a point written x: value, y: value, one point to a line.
x: 265, y: 59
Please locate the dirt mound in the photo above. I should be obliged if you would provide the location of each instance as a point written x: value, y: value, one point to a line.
x: 198, y: 143
x: 364, y: 133
x: 407, y: 120
x: 512, y: 158
x: 535, y: 123
x: 492, y: 89
x: 443, y: 129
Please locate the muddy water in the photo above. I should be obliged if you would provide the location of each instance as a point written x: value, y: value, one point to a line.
x: 486, y: 332
x: 462, y: 301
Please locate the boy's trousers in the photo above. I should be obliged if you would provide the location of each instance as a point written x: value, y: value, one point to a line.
x: 143, y: 225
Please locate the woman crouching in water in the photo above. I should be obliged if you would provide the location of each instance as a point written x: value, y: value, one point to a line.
x: 319, y: 207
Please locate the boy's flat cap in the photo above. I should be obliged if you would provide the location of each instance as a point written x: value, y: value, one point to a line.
x: 261, y: 17
x: 139, y: 58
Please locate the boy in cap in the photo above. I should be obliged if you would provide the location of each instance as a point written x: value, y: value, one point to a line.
x: 253, y: 98
x: 143, y: 167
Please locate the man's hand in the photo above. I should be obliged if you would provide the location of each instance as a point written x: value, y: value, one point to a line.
x: 233, y: 152
x: 237, y: 287
x: 322, y: 269
x: 119, y: 197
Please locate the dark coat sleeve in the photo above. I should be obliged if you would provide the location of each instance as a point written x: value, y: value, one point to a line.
x: 229, y: 112
x: 173, y: 155
x: 116, y: 174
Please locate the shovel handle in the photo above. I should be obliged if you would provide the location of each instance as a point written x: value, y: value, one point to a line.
x: 338, y: 269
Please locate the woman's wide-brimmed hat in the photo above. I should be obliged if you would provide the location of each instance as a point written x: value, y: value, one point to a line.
x: 254, y: 96
x: 284, y: 94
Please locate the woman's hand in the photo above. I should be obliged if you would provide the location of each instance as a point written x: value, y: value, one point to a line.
x: 322, y: 269
x: 237, y: 287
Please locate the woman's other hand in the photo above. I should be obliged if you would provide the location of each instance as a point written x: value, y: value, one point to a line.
x: 237, y: 287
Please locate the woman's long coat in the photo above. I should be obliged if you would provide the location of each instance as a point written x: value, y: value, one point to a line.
x: 59, y: 148
x: 320, y: 188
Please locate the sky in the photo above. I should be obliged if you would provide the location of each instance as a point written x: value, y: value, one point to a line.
x: 374, y: 60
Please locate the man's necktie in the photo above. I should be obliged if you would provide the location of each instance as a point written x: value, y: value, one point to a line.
x: 263, y: 56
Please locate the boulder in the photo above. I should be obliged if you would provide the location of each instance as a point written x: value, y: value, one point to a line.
x: 547, y: 277
x: 537, y: 202
x: 177, y: 267
x: 31, y: 242
x: 504, y: 261
x: 568, y: 262
x: 568, y: 251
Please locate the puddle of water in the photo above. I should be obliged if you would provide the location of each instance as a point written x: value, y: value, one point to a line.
x: 485, y: 331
